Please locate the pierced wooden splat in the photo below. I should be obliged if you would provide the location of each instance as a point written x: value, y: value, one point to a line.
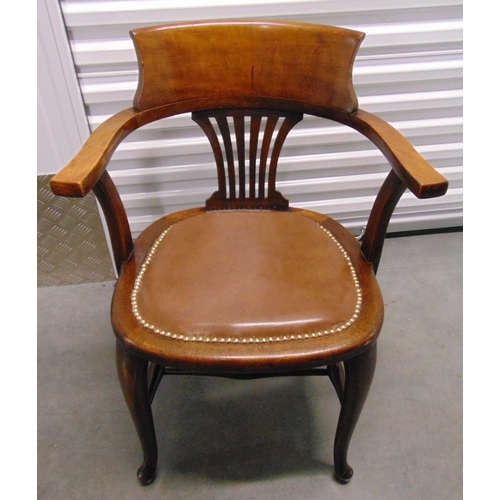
x: 246, y: 146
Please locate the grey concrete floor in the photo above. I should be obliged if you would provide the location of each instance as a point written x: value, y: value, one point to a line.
x: 268, y: 439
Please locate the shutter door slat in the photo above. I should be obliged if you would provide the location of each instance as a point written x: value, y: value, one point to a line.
x: 408, y: 71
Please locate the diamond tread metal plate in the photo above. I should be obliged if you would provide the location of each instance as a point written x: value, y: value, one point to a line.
x: 71, y: 245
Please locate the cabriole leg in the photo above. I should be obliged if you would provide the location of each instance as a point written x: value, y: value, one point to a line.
x: 133, y: 375
x: 358, y: 378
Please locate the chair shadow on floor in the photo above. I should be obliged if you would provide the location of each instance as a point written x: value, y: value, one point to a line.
x: 235, y: 430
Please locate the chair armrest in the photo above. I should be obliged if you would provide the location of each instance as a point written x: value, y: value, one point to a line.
x: 81, y: 174
x: 416, y: 174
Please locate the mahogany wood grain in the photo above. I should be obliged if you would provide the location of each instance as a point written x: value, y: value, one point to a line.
x: 254, y: 137
x: 116, y: 219
x: 81, y: 174
x: 133, y: 376
x: 359, y: 373
x: 239, y: 132
x: 155, y: 374
x: 416, y: 173
x: 83, y: 171
x: 232, y: 195
x: 336, y: 374
x: 246, y: 58
x: 373, y: 240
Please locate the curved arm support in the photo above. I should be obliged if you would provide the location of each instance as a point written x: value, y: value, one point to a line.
x: 373, y: 240
x: 116, y: 219
x: 416, y: 174
x: 81, y: 174
x: 409, y: 170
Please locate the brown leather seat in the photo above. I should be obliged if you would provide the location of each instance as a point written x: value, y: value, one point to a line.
x: 215, y: 286
x: 246, y: 286
x: 249, y: 277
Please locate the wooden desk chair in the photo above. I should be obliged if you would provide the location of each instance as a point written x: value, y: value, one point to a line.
x: 246, y: 286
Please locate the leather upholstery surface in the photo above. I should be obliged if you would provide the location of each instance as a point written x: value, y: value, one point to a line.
x: 226, y: 340
x: 246, y: 275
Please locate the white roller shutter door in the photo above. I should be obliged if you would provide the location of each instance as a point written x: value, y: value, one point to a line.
x: 408, y: 71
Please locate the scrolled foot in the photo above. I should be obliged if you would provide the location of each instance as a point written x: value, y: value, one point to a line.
x: 146, y: 475
x: 343, y: 474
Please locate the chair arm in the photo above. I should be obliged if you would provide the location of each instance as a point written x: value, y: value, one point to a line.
x: 81, y: 174
x: 416, y: 174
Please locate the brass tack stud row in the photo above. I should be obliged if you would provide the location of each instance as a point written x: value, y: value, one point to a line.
x: 236, y: 340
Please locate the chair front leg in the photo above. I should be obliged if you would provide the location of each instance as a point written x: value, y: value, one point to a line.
x: 358, y: 378
x: 133, y: 375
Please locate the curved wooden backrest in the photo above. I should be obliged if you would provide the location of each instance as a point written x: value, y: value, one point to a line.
x: 296, y: 61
